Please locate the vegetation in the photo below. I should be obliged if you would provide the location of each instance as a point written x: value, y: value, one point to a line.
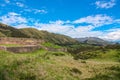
x: 2, y: 35
x: 47, y: 65
x: 9, y: 31
x: 81, y: 62
x: 51, y: 45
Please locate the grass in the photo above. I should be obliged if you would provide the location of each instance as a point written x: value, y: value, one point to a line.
x: 99, y: 55
x: 44, y: 65
x: 51, y: 45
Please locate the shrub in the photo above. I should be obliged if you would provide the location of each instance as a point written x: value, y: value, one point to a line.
x: 58, y: 54
x: 76, y: 71
x: 84, y: 55
x: 83, y: 61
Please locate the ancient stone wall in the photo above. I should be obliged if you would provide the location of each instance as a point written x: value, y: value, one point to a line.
x: 21, y: 41
x: 55, y: 49
x: 2, y: 48
x: 28, y: 45
x: 20, y: 49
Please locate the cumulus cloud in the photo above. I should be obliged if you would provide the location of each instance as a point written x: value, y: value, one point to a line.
x: 62, y: 27
x: 68, y: 28
x: 96, y: 20
x: 55, y: 27
x: 112, y: 34
x: 12, y: 18
x: 105, y: 4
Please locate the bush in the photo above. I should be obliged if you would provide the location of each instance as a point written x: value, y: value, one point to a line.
x: 58, y: 53
x: 84, y: 55
x: 76, y: 71
x: 114, y: 75
x: 48, y: 54
x: 83, y: 61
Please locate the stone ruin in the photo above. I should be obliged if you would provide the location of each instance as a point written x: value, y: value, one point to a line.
x: 28, y: 44
x: 21, y: 41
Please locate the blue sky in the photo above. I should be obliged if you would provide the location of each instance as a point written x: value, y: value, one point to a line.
x: 75, y: 18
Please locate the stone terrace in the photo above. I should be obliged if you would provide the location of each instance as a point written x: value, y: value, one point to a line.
x: 29, y: 44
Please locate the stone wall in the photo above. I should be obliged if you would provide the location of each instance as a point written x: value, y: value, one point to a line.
x: 20, y: 49
x: 28, y: 45
x: 2, y: 48
x: 55, y: 49
x: 23, y: 49
x: 21, y: 41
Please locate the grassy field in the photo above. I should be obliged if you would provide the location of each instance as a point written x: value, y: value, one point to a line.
x: 43, y: 65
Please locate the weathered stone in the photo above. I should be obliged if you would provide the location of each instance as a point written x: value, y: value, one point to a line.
x: 21, y: 41
x: 23, y: 49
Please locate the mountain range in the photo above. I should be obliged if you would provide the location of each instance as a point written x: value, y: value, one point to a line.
x: 9, y: 31
x: 93, y: 41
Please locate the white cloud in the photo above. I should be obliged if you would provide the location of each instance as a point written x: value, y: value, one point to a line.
x: 59, y: 22
x: 29, y: 9
x: 20, y: 4
x: 23, y: 7
x: 35, y: 11
x: 56, y: 28
x: 97, y: 20
x: 62, y: 27
x: 68, y: 28
x: 112, y: 34
x: 84, y: 28
x: 24, y: 25
x: 12, y: 18
x: 39, y: 11
x: 105, y: 4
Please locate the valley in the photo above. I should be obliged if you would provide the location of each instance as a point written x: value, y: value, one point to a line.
x: 58, y: 58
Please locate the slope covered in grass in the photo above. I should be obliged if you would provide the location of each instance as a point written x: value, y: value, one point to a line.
x: 2, y: 35
x: 102, y: 55
x: 47, y: 36
x: 9, y: 31
x: 44, y: 65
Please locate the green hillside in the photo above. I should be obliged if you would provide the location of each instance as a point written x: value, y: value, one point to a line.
x: 47, y: 36
x: 9, y: 31
x: 46, y: 65
x: 80, y: 62
x: 32, y: 33
x: 2, y: 35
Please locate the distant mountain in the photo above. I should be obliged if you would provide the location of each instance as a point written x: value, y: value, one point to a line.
x: 8, y: 31
x: 93, y: 41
